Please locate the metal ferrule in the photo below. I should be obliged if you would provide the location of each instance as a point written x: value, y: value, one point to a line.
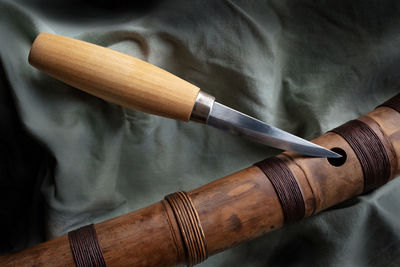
x: 202, y: 107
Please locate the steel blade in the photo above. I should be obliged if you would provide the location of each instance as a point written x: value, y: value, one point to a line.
x: 233, y: 121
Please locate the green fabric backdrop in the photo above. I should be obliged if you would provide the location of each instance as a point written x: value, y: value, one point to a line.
x: 69, y: 159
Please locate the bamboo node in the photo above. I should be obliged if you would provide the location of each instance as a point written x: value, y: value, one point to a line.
x: 189, y: 226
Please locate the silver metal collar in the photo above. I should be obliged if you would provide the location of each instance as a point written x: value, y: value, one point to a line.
x: 202, y: 107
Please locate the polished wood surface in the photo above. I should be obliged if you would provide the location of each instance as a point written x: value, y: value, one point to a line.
x: 231, y: 210
x: 55, y: 252
x: 113, y: 76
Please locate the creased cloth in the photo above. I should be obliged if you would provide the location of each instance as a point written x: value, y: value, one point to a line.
x: 68, y: 159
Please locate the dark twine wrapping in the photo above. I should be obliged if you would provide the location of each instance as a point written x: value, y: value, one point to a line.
x: 286, y: 187
x: 85, y: 247
x: 369, y: 150
x: 393, y: 103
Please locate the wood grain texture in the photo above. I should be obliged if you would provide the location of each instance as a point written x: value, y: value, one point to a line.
x: 113, y: 76
x: 55, y: 252
x: 147, y: 237
x: 237, y: 208
x: 231, y: 210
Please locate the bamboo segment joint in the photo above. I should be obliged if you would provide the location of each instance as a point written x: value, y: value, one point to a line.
x: 190, y: 228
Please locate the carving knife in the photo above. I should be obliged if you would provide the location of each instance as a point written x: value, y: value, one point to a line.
x: 131, y: 82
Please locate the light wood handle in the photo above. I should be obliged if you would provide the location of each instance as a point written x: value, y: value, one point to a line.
x: 113, y: 76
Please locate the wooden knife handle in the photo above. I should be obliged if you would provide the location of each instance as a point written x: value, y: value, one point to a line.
x: 113, y: 76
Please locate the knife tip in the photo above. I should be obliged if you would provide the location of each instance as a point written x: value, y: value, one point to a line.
x: 332, y: 154
x: 322, y: 152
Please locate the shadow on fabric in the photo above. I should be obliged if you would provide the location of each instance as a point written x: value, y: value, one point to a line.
x: 23, y: 165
